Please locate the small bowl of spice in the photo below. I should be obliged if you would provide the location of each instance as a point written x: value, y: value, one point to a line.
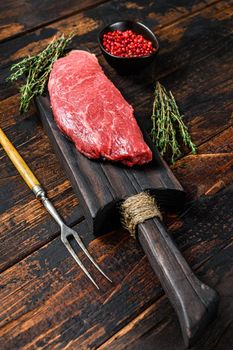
x: 128, y: 45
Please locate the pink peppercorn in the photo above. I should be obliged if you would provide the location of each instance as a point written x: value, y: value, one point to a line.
x: 127, y: 44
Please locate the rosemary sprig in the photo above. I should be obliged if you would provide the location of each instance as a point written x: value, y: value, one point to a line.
x: 168, y: 125
x: 36, y: 69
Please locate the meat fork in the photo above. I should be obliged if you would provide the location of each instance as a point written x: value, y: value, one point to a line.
x: 37, y: 189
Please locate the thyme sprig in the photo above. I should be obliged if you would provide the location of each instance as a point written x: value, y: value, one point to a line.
x: 36, y: 69
x: 167, y: 125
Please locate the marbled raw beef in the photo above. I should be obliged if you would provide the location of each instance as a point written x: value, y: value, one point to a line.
x: 91, y: 111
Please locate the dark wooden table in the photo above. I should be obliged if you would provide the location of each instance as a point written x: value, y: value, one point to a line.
x: 46, y: 301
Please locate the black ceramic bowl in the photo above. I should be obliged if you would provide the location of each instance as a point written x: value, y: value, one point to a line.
x: 129, y: 64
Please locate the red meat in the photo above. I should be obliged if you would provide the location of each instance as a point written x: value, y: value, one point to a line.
x: 91, y: 111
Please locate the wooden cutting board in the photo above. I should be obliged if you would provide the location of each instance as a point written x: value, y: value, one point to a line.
x: 101, y: 186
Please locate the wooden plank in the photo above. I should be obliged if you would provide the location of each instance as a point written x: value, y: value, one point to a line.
x: 86, y: 26
x: 187, y: 69
x: 19, y: 16
x: 46, y: 301
x: 34, y: 14
x: 215, y: 157
x: 197, y: 251
x: 157, y: 327
x: 27, y: 131
x: 196, y: 246
x: 185, y: 80
x: 24, y: 222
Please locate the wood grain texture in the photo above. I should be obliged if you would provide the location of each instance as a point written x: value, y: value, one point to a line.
x: 87, y: 24
x: 24, y: 222
x: 190, y: 235
x: 214, y: 157
x: 47, y: 302
x: 199, y: 31
x: 157, y: 327
x: 28, y: 135
x: 19, y: 16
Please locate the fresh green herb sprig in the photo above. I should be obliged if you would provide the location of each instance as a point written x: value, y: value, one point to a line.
x: 168, y: 125
x: 36, y: 70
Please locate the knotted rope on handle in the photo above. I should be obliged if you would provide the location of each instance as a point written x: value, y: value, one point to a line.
x: 137, y: 209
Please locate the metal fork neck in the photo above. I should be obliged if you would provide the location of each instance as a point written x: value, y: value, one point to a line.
x: 41, y: 195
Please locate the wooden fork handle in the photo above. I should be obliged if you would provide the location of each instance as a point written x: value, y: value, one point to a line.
x: 18, y: 161
x: 195, y: 303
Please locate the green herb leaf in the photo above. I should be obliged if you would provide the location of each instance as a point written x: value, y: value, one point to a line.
x: 36, y: 69
x: 168, y: 125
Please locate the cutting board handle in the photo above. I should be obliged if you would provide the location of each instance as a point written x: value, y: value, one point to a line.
x: 195, y: 303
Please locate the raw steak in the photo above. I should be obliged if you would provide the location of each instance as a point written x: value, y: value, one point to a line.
x: 91, y: 111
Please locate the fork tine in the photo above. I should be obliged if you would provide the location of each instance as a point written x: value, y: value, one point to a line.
x: 84, y: 249
x: 74, y: 255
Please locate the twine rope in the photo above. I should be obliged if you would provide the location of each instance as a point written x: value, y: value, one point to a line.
x: 137, y: 209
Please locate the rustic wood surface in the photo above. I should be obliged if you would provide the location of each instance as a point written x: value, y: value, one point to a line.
x: 46, y: 302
